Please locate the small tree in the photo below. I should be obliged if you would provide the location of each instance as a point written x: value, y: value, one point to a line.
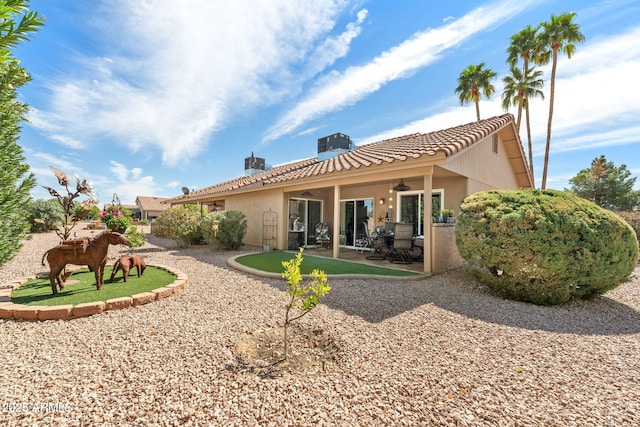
x: 606, y: 185
x: 135, y: 237
x: 302, y: 299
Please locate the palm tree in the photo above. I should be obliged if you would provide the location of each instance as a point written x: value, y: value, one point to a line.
x: 474, y: 81
x: 518, y: 88
x: 560, y: 34
x: 525, y: 45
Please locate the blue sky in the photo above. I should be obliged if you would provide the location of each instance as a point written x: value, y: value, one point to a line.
x: 144, y: 97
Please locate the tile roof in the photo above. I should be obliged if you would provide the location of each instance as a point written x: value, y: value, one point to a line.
x: 151, y: 203
x: 249, y: 181
x: 448, y: 141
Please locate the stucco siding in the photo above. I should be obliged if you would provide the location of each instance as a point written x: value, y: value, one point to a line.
x: 253, y: 205
x: 489, y: 169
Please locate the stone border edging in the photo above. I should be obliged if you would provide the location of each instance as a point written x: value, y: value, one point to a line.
x: 231, y: 262
x: 11, y: 311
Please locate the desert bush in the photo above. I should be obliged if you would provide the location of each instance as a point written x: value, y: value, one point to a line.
x: 181, y: 224
x: 226, y: 228
x: 135, y: 237
x: 544, y: 246
x: 92, y: 214
x: 44, y: 215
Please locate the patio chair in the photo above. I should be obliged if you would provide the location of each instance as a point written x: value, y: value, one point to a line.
x: 402, y: 243
x: 361, y: 244
x: 323, y: 240
x: 375, y: 243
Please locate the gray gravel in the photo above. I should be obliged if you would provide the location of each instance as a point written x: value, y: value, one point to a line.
x: 441, y: 351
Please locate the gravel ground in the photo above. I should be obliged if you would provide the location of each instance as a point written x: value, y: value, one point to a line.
x: 435, y: 352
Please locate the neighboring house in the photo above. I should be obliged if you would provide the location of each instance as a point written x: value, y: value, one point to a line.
x: 151, y: 207
x: 351, y: 188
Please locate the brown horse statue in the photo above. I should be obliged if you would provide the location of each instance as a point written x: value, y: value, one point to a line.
x: 126, y: 263
x: 89, y: 252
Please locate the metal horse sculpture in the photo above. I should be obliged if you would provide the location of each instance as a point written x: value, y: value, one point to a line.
x: 126, y: 263
x: 92, y: 253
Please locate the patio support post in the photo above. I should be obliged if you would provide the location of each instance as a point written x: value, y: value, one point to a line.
x: 336, y: 221
x: 428, y: 189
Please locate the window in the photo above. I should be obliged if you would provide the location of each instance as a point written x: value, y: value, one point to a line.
x: 412, y: 208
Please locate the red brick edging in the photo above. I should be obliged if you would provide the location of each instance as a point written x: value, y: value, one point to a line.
x: 9, y: 310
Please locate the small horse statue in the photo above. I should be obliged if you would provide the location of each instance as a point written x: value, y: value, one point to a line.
x: 92, y: 253
x: 125, y: 263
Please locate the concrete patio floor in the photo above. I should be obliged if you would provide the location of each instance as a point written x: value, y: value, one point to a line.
x: 351, y: 255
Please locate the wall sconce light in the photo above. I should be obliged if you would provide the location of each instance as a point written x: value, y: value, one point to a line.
x: 382, y: 200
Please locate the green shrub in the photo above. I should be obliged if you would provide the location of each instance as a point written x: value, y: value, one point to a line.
x: 227, y: 228
x: 135, y: 237
x: 181, y: 224
x: 544, y: 246
x: 45, y: 215
x: 92, y: 214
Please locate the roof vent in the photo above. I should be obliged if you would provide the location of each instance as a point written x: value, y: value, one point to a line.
x: 334, y: 145
x: 253, y: 165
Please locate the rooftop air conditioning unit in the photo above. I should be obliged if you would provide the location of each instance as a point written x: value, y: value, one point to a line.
x: 253, y: 165
x: 334, y: 145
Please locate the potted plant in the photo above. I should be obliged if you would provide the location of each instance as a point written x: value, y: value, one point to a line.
x: 115, y: 220
x: 447, y: 215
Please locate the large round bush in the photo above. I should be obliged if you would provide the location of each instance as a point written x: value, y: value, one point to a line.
x: 544, y: 246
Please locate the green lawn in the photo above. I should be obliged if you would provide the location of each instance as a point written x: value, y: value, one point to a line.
x: 272, y: 263
x: 38, y: 291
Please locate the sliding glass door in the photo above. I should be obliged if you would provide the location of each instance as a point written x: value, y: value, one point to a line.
x: 355, y: 215
x: 304, y: 215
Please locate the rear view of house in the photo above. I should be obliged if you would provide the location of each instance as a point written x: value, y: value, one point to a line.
x: 407, y: 179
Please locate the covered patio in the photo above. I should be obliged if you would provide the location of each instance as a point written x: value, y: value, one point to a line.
x: 350, y: 192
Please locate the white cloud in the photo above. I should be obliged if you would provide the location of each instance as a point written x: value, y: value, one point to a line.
x: 131, y: 183
x: 594, y: 106
x: 334, y: 47
x: 190, y: 68
x: 338, y: 90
